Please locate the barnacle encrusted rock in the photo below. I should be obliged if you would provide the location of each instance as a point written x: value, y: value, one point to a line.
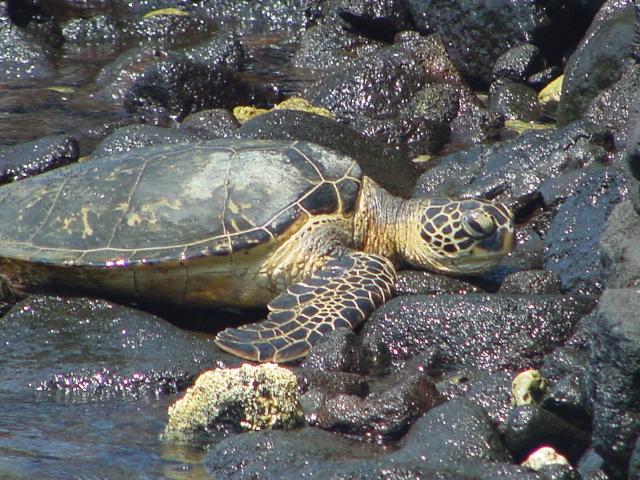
x: 256, y: 397
x: 528, y: 387
x: 543, y: 457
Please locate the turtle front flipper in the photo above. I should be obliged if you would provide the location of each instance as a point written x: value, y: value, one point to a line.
x: 341, y: 294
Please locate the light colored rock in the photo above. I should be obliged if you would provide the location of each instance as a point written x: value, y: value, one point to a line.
x: 528, y: 388
x: 257, y: 397
x: 543, y: 457
x: 552, y: 92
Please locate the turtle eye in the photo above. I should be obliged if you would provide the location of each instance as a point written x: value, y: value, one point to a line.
x: 478, y: 224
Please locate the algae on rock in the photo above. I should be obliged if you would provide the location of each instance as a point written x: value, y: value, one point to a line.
x: 251, y: 397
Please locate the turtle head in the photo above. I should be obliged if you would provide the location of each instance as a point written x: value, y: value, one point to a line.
x: 460, y: 237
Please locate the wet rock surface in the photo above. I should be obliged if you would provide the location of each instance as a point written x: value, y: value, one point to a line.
x: 599, y: 60
x: 38, y: 156
x: 572, y: 242
x: 529, y: 426
x: 85, y: 384
x: 514, y: 170
x: 614, y: 363
x: 488, y: 332
x: 89, y: 350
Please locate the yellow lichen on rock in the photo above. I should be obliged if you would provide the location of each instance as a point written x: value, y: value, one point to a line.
x: 520, y: 126
x: 552, y: 92
x: 297, y: 103
x: 257, y: 397
x: 165, y: 11
x: 528, y: 387
x: 246, y: 113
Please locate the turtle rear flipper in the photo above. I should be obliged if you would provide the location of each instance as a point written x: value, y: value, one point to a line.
x: 341, y: 294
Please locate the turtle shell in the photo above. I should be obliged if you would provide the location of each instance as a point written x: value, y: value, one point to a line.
x: 172, y: 204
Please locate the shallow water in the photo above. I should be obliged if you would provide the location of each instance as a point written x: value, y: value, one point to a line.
x: 48, y: 439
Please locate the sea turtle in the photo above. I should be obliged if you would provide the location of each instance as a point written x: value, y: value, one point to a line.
x: 290, y: 225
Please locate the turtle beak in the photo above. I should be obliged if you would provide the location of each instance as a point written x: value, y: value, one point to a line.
x: 507, y: 239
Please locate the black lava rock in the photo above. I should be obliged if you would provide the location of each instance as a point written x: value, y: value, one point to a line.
x: 178, y: 87
x: 513, y: 100
x: 476, y: 32
x: 455, y: 433
x: 531, y: 282
x: 339, y: 350
x: 514, y: 170
x: 38, y: 156
x: 279, y: 454
x: 372, y: 18
x: 620, y: 248
x: 248, y: 17
x: 519, y: 63
x: 590, y: 466
x: 330, y: 383
x: 413, y: 282
x: 567, y: 399
x: 382, y: 415
x: 377, y: 86
x: 89, y: 350
x: 223, y: 49
x: 598, y: 62
x: 573, y: 240
x: 530, y: 427
x: 210, y: 124
x: 327, y: 47
x: 385, y: 165
x: 612, y: 373
x: 137, y: 136
x: 491, y: 391
x: 22, y: 55
x: 488, y: 332
x: 613, y: 107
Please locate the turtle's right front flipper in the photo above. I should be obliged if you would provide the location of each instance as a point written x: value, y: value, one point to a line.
x: 341, y: 294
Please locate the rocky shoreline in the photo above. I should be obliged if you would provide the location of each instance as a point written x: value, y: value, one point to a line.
x: 422, y: 390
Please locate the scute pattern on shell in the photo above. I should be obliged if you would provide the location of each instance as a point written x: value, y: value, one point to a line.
x: 172, y: 202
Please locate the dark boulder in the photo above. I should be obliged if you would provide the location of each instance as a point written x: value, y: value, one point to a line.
x: 513, y: 100
x: 414, y: 282
x: 211, y: 123
x: 385, y: 165
x: 477, y: 33
x: 278, y: 454
x: 531, y: 282
x: 80, y: 349
x: 519, y: 63
x: 491, y: 391
x: 22, y: 55
x: 328, y: 46
x: 376, y: 86
x: 453, y: 434
x: 479, y: 331
x: 385, y: 414
x: 620, y: 248
x: 530, y: 427
x: 371, y: 18
x: 612, y: 377
x: 514, y: 170
x: 573, y: 241
x: 599, y: 61
x: 30, y: 158
x: 137, y: 136
x: 613, y: 108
